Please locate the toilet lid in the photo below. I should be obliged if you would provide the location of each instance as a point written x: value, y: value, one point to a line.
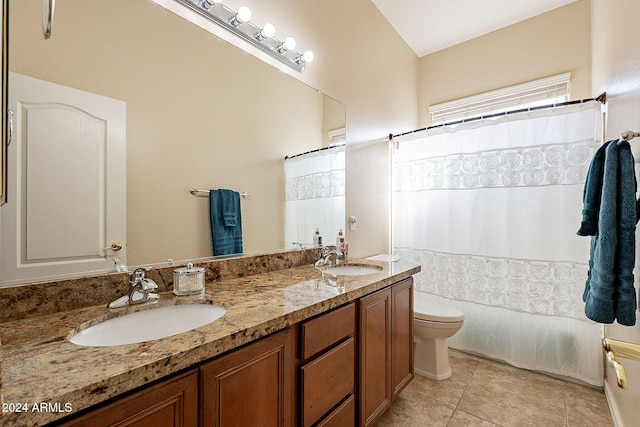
x: 424, y: 309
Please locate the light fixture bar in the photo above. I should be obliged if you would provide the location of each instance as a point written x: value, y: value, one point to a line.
x: 226, y: 18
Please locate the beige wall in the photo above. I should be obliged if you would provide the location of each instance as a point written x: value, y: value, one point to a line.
x: 549, y: 44
x: 616, y: 70
x: 333, y: 118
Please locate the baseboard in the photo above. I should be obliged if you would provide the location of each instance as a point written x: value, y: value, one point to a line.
x: 613, y: 408
x: 433, y: 376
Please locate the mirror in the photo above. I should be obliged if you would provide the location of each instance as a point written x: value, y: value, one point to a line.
x: 3, y: 104
x: 199, y: 113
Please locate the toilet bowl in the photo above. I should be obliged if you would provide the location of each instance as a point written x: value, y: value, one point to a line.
x: 433, y: 323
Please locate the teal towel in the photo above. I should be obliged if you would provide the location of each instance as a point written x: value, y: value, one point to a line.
x: 626, y: 304
x: 227, y: 240
x: 592, y: 194
x: 230, y: 204
x: 609, y: 293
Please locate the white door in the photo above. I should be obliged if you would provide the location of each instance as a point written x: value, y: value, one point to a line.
x: 67, y: 181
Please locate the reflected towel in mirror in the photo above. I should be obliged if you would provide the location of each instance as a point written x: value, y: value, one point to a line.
x: 226, y: 221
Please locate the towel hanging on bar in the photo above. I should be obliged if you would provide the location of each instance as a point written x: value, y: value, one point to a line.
x: 226, y: 222
x: 609, y: 216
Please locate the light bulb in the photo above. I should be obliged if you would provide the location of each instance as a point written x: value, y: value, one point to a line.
x: 267, y: 31
x: 242, y: 15
x: 307, y: 56
x: 290, y: 43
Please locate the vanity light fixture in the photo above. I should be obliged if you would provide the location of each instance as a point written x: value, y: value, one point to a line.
x: 239, y: 23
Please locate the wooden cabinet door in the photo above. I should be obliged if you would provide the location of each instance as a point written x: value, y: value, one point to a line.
x: 250, y: 386
x: 375, y: 356
x: 401, y: 335
x: 171, y: 403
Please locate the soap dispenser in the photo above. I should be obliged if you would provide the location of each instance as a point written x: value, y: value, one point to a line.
x: 341, y: 245
x: 317, y: 238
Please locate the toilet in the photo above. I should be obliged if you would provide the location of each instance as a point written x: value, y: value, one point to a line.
x: 433, y: 323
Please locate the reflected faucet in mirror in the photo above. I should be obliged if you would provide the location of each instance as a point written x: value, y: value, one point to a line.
x: 118, y: 265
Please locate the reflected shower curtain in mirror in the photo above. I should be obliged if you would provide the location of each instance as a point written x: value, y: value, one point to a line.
x: 490, y: 210
x: 314, y: 186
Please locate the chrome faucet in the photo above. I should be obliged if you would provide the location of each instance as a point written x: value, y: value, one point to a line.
x: 141, y: 290
x: 325, y: 259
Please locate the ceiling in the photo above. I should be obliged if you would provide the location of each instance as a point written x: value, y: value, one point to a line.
x: 431, y: 25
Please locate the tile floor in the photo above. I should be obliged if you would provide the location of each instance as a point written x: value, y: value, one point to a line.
x: 486, y: 393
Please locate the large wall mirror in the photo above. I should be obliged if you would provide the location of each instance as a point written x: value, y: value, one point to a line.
x: 3, y: 103
x: 184, y: 108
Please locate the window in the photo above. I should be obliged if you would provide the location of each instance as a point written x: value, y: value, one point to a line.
x: 550, y: 90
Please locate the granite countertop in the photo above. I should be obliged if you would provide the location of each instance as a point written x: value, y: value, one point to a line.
x: 40, y: 365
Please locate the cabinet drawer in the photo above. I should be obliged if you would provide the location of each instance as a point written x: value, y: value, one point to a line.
x: 343, y: 416
x: 328, y: 329
x: 327, y: 380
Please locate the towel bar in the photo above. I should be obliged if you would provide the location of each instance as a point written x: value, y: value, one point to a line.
x: 629, y: 135
x: 623, y: 349
x: 197, y: 192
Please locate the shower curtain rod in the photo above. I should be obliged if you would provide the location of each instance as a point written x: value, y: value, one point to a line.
x: 602, y: 98
x: 314, y: 151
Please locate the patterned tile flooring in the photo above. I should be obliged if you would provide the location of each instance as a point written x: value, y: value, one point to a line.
x: 486, y: 393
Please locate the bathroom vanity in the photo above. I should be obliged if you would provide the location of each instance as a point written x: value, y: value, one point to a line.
x: 292, y: 349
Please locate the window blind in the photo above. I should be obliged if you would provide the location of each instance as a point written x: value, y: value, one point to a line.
x: 539, y: 92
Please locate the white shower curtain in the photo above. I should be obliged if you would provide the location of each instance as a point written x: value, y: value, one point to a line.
x: 315, y: 188
x: 490, y: 210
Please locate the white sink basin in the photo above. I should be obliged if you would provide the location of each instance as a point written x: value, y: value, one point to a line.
x: 147, y: 325
x: 352, y: 270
